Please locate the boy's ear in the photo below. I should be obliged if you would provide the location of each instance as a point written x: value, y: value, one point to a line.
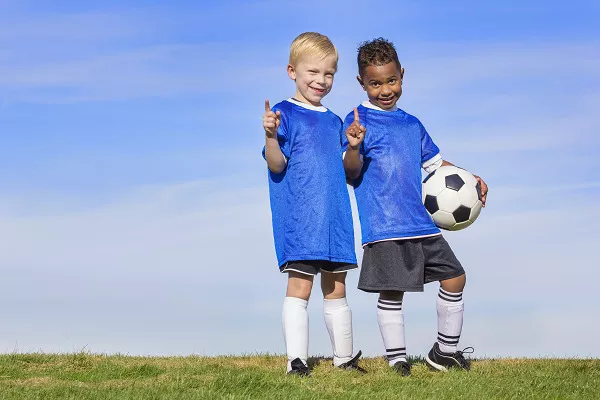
x: 401, y: 73
x: 291, y: 72
x: 359, y: 79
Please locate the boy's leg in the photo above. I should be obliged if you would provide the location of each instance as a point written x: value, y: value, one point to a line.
x: 391, y: 325
x: 338, y: 316
x: 295, y: 317
x: 442, y: 265
x: 450, y: 310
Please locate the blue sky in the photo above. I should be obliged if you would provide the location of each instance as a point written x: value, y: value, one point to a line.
x: 134, y: 211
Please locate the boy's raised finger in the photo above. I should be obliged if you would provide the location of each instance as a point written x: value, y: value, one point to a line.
x: 267, y: 106
x: 356, y: 117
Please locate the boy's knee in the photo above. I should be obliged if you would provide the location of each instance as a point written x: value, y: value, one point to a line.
x: 455, y: 285
x: 299, y: 285
x: 392, y: 295
x: 333, y: 285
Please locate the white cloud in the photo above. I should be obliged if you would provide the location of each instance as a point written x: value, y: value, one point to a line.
x: 119, y: 54
x: 156, y: 71
x: 70, y: 27
x: 162, y: 259
x: 92, y: 63
x: 454, y: 64
x: 190, y: 268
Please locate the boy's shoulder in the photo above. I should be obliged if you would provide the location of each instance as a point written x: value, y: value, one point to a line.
x: 409, y: 117
x: 282, y: 105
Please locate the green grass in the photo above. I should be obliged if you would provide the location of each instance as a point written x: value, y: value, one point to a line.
x: 89, y: 376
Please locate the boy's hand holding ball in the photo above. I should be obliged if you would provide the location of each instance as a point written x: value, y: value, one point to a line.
x: 484, y: 189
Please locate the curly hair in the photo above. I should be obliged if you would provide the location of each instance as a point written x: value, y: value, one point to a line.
x: 376, y: 52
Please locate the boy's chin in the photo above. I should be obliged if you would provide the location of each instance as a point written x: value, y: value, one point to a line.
x: 315, y: 101
x: 385, y: 106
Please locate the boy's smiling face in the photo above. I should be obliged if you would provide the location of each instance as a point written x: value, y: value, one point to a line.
x: 383, y: 84
x: 314, y: 77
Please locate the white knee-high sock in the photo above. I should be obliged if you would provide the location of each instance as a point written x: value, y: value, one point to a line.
x: 338, y: 319
x: 391, y: 325
x: 295, y: 329
x: 450, y: 310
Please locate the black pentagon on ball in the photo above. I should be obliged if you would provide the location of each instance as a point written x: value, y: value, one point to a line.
x: 478, y: 187
x: 454, y: 182
x: 462, y: 214
x: 431, y: 204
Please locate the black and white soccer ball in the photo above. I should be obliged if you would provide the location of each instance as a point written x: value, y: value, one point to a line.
x: 452, y: 196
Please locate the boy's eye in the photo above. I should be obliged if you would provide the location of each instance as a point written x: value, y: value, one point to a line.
x: 392, y: 81
x: 375, y: 84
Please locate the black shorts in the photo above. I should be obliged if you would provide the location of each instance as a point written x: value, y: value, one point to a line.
x: 406, y: 265
x: 312, y: 267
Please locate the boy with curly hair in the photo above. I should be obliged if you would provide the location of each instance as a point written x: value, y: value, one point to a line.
x: 403, y: 249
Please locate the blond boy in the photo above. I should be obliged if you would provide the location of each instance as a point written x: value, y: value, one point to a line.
x: 312, y: 221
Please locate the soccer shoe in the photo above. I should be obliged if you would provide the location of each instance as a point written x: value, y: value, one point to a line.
x: 439, y: 361
x: 352, y: 365
x: 402, y: 367
x: 298, y: 368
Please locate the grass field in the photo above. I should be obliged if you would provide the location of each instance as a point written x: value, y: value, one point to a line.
x: 89, y: 376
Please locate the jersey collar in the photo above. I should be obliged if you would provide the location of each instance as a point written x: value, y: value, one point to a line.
x: 372, y: 106
x: 307, y: 106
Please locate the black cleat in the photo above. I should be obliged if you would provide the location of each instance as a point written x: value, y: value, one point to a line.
x: 439, y: 361
x: 352, y: 365
x: 402, y: 367
x: 298, y: 368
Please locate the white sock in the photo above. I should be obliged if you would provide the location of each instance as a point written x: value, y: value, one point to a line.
x: 295, y: 329
x: 391, y: 325
x: 338, y: 319
x: 450, y: 310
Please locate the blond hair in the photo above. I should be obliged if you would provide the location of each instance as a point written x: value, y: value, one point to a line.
x: 312, y: 43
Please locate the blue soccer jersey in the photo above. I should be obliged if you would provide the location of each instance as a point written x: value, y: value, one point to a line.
x: 310, y: 205
x: 388, y: 191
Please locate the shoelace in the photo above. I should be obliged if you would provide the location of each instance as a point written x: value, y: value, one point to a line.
x: 356, y: 367
x: 353, y: 364
x: 461, y: 359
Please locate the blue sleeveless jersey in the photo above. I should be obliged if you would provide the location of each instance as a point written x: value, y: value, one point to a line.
x: 310, y: 205
x: 388, y: 191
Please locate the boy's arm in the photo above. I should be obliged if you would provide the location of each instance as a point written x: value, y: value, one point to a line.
x: 484, y: 186
x: 275, y: 159
x: 355, y: 135
x: 352, y: 163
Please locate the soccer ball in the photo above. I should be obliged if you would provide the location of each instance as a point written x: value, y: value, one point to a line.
x: 452, y: 196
